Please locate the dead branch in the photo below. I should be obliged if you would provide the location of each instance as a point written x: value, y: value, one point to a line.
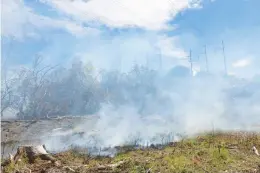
x: 111, y: 166
x: 69, y: 169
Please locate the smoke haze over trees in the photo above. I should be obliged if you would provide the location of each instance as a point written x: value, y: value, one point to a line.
x: 46, y: 91
x: 139, y: 104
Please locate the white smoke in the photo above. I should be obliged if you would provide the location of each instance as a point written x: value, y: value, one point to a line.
x: 182, y: 106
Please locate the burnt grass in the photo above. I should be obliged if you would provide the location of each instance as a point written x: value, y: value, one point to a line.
x: 207, y: 153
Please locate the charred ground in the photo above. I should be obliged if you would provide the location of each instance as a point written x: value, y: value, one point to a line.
x: 212, y: 152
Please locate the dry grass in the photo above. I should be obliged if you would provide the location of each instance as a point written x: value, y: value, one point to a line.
x: 219, y: 152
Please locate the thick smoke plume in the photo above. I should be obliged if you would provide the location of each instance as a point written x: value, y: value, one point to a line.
x: 142, y: 106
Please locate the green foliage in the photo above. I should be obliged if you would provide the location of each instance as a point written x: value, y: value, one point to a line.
x: 178, y: 163
x: 21, y: 164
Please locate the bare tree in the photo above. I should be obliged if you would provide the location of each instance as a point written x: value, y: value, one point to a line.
x: 8, y: 84
x: 35, y: 87
x: 26, y: 91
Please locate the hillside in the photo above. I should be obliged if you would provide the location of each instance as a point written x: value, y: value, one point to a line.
x: 213, y: 152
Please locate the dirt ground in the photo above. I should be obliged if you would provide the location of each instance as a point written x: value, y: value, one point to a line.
x: 16, y: 132
x: 224, y: 152
x: 208, y: 153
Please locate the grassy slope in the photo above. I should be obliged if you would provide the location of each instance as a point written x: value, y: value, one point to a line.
x: 208, y: 153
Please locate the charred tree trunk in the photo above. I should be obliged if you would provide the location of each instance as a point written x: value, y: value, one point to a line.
x: 33, y: 152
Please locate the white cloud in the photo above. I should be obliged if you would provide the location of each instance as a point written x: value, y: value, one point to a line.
x: 19, y: 21
x: 122, y: 51
x: 148, y: 14
x: 241, y: 63
x: 168, y: 47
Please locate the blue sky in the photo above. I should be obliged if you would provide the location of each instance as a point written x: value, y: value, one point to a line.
x: 107, y: 32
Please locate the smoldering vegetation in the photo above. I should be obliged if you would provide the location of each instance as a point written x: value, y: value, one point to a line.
x: 142, y: 106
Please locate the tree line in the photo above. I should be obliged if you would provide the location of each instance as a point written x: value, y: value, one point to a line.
x: 44, y: 91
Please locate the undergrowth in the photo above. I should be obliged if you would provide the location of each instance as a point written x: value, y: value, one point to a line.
x: 218, y: 152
